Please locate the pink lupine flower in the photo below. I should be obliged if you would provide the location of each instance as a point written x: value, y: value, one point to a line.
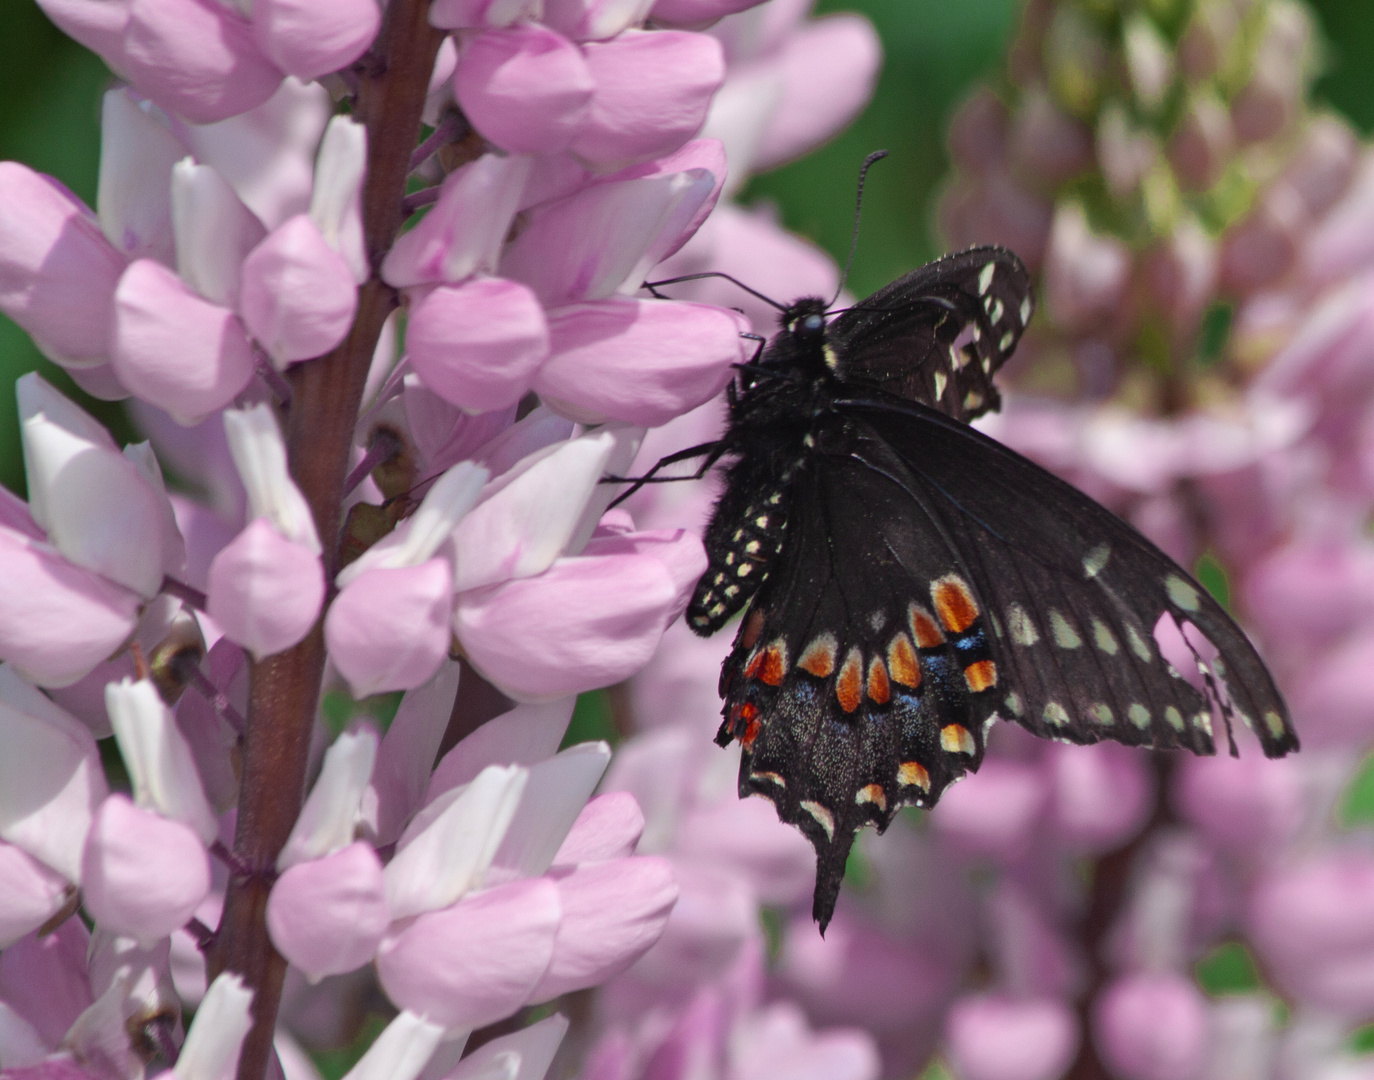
x: 1152, y: 1027
x: 57, y: 271
x: 526, y: 88
x: 478, y: 345
x: 389, y: 627
x: 996, y: 1037
x: 267, y: 585
x: 328, y: 915
x: 638, y: 361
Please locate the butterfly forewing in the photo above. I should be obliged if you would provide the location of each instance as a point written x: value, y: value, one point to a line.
x: 938, y: 334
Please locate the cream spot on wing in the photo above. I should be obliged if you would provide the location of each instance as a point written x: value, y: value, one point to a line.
x: 1104, y: 638
x: 1095, y: 560
x: 985, y: 278
x: 1274, y: 722
x: 913, y: 774
x: 1182, y: 593
x: 1015, y: 704
x: 957, y: 739
x: 823, y: 816
x: 769, y: 777
x: 1056, y: 714
x: 1140, y: 716
x: 1174, y: 718
x: 1204, y: 721
x: 1139, y: 645
x: 1025, y: 309
x: 1101, y: 712
x: 1023, y: 630
x: 1006, y: 341
x: 1065, y: 636
x: 872, y: 793
x: 940, y: 383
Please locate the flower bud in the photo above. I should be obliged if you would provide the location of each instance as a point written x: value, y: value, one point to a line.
x: 327, y: 916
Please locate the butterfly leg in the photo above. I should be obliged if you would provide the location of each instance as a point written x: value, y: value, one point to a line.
x: 712, y: 451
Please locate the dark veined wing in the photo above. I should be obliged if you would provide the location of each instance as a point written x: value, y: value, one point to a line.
x: 858, y: 680
x: 938, y: 334
x: 1074, y: 594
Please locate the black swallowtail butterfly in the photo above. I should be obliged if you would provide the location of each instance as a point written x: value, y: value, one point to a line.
x: 907, y: 580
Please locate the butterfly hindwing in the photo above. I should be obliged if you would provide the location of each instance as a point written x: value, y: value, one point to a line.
x: 938, y: 334
x: 858, y: 680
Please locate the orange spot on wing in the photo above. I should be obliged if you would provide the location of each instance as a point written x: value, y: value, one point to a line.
x: 913, y: 774
x: 818, y: 658
x: 954, y: 603
x: 872, y: 793
x: 878, y: 688
x: 957, y: 739
x: 751, y: 669
x: 774, y: 663
x: 748, y: 716
x: 981, y: 675
x: 902, y: 662
x: 849, y: 684
x: 924, y: 629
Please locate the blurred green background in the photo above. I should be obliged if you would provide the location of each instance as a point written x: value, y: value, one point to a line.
x: 935, y: 50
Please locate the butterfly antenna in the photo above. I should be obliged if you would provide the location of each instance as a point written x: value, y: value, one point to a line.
x: 652, y: 286
x: 869, y: 161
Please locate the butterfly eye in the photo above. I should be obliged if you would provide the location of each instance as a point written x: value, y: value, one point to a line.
x: 812, y: 324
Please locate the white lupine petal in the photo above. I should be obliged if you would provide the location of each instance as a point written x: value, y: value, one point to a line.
x: 447, y: 848
x: 213, y: 230
x: 400, y: 1052
x: 406, y: 756
x: 555, y: 794
x: 530, y: 513
x: 173, y: 543
x: 51, y: 780
x: 267, y: 155
x: 532, y: 1050
x: 133, y: 199
x: 336, y: 201
x: 259, y: 453
x: 626, y: 448
x: 160, y: 763
x: 417, y: 539
x: 223, y: 1018
x: 330, y: 815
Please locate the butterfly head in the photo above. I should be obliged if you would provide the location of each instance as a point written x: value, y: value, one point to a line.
x: 805, y: 320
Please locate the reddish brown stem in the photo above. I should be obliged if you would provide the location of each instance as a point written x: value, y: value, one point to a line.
x: 325, y: 397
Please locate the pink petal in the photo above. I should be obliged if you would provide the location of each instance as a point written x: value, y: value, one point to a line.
x: 587, y: 245
x: 999, y: 1037
x: 478, y: 345
x: 776, y: 1043
x: 463, y: 14
x: 327, y: 916
x: 32, y: 894
x: 45, y: 980
x: 142, y: 874
x: 308, y: 39
x: 746, y: 837
x: 652, y: 92
x: 57, y: 270
x: 526, y: 88
x: 829, y: 68
x: 608, y: 827
x: 593, y: 20
x: 390, y: 629
x: 995, y: 811
x: 1313, y: 924
x: 612, y: 913
x: 1152, y: 1027
x: 97, y: 24
x: 477, y: 961
x: 297, y: 293
x: 694, y: 13
x: 57, y: 621
x: 174, y: 349
x: 265, y: 592
x: 642, y: 362
x: 196, y: 58
x: 1241, y: 804
x: 583, y: 623
x: 679, y: 551
x: 1101, y: 795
